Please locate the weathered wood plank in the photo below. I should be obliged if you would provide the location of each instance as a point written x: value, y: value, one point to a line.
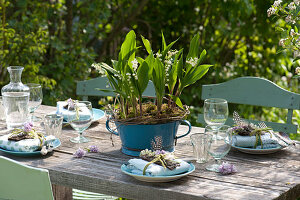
x: 273, y: 176
x: 61, y: 192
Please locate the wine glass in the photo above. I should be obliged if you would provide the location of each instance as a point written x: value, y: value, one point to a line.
x: 80, y: 117
x: 218, y: 146
x: 35, y: 99
x: 215, y: 112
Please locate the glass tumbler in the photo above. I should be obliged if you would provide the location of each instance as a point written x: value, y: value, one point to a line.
x: 200, y: 146
x: 53, y: 124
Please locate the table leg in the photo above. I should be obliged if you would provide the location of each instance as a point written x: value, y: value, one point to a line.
x: 61, y: 192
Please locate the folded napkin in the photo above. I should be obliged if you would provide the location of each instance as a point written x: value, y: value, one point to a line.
x: 268, y: 141
x: 26, y: 145
x: 60, y: 110
x: 137, y: 166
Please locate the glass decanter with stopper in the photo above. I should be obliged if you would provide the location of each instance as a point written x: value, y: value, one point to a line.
x: 15, y: 97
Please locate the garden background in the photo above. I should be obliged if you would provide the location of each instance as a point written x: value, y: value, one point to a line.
x: 57, y: 41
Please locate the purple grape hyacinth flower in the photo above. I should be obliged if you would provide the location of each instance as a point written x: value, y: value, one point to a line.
x: 93, y: 149
x: 226, y: 168
x: 157, y: 152
x: 79, y: 153
x: 70, y: 103
x: 28, y: 127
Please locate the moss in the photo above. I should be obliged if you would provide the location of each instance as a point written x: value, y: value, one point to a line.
x: 150, y: 115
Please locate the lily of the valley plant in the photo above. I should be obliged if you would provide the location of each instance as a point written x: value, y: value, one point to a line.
x: 169, y: 71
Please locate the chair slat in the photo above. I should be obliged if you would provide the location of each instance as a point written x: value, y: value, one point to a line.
x: 91, y: 88
x: 252, y: 91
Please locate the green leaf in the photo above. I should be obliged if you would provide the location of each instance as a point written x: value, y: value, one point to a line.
x: 202, y: 56
x: 298, y: 58
x: 143, y: 77
x: 296, y: 76
x: 127, y: 52
x: 140, y: 60
x: 165, y: 51
x: 279, y: 51
x: 194, y: 47
x: 174, y: 71
x: 112, y: 81
x: 195, y: 74
x: 108, y: 68
x: 164, y: 45
x: 158, y: 79
x: 115, y: 64
x: 128, y: 45
x: 279, y: 29
x: 150, y: 61
x: 177, y: 101
x: 147, y: 45
x: 180, y: 68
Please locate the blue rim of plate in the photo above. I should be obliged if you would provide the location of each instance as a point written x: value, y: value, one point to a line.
x: 97, y: 114
x: 56, y: 144
x: 251, y: 150
x: 126, y: 171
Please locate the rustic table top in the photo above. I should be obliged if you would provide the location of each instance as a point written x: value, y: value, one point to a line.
x: 273, y: 176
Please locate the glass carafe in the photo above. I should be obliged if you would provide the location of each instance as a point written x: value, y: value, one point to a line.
x: 15, y: 99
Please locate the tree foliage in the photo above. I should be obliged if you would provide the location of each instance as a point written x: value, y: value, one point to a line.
x: 57, y: 40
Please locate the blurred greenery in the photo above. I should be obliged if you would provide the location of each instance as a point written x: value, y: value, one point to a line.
x: 58, y: 40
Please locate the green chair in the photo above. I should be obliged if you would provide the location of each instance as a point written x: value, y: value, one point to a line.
x: 84, y: 195
x: 19, y: 181
x: 91, y: 88
x: 258, y: 92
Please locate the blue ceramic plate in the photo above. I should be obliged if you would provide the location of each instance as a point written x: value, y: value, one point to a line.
x: 156, y: 178
x: 56, y: 143
x: 97, y: 114
x: 257, y: 151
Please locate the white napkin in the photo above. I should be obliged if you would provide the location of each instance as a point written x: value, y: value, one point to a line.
x: 26, y: 145
x: 268, y: 141
x: 137, y: 166
x: 60, y: 110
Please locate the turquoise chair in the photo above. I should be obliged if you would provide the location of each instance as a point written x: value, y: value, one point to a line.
x: 91, y: 88
x: 19, y: 181
x: 258, y: 92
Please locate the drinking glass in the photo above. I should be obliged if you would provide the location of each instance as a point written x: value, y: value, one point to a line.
x: 35, y: 99
x: 220, y: 145
x: 53, y: 125
x: 200, y: 146
x: 215, y: 112
x: 80, y: 118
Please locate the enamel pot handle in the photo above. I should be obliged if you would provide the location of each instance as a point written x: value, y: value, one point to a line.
x: 190, y: 128
x: 109, y: 129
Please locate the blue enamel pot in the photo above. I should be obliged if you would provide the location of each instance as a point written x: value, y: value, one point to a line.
x: 136, y: 138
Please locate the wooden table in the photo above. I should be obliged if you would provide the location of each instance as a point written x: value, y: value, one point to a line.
x: 273, y: 176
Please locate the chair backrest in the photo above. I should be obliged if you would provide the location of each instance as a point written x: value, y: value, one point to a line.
x: 19, y: 181
x: 91, y: 88
x: 258, y: 92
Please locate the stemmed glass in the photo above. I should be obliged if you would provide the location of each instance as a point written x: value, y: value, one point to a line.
x: 218, y: 146
x: 35, y: 99
x: 215, y: 112
x: 80, y: 117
